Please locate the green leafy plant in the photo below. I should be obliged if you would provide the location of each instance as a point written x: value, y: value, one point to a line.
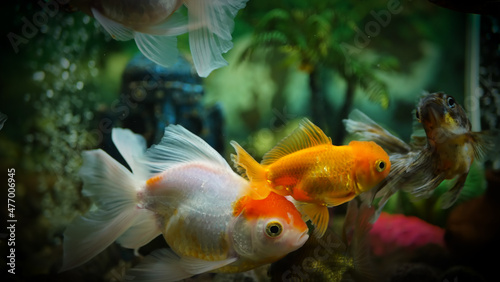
x: 313, y: 36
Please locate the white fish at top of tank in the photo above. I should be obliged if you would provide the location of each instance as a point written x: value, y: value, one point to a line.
x: 154, y: 25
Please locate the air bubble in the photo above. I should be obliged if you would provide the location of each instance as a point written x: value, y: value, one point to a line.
x: 64, y: 63
x: 39, y: 76
x: 79, y: 85
x: 86, y: 19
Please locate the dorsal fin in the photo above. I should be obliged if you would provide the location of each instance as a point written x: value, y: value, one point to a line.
x: 180, y: 146
x: 305, y: 136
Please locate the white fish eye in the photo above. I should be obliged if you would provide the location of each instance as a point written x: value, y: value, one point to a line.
x: 274, y: 229
x: 451, y: 102
x: 380, y: 165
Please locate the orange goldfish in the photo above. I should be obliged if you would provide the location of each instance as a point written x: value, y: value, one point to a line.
x: 184, y: 190
x: 317, y: 174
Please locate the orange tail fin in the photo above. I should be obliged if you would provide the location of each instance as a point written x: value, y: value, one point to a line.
x: 250, y: 169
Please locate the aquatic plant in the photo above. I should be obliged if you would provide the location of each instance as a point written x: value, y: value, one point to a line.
x: 56, y: 80
x: 317, y: 38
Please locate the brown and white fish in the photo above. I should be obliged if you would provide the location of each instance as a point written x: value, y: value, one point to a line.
x: 445, y: 152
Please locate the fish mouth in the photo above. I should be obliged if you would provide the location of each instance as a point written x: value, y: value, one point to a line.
x: 435, y: 112
x: 431, y: 112
x: 430, y: 108
x: 302, y: 239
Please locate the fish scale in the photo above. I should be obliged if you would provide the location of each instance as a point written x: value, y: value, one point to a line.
x: 315, y: 163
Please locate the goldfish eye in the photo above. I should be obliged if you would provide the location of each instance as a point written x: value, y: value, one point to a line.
x: 380, y: 165
x: 451, y: 102
x: 274, y: 229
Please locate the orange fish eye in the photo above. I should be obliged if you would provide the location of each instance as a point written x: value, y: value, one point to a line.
x: 380, y: 165
x: 274, y: 229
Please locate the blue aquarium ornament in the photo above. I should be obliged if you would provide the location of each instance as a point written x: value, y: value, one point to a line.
x: 153, y: 96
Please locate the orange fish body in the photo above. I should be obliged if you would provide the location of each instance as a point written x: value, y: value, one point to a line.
x: 313, y: 174
x: 317, y: 174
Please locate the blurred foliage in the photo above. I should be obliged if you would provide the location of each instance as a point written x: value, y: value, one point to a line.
x: 421, y: 48
x: 261, y: 141
x: 57, y: 73
x: 317, y: 36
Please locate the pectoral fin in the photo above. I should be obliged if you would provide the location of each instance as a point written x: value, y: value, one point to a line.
x: 451, y: 196
x: 116, y: 30
x: 158, y: 48
x: 318, y: 214
x: 484, y: 142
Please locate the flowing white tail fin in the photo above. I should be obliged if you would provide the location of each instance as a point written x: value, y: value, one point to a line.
x: 209, y: 42
x: 113, y: 189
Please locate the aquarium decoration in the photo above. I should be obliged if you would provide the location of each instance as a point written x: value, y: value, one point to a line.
x: 155, y: 96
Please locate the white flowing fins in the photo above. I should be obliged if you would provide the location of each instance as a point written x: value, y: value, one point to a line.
x: 159, y: 44
x: 213, y: 38
x: 210, y: 26
x: 132, y: 147
x: 119, y: 214
x: 113, y: 189
x: 179, y: 146
x: 116, y: 30
x: 164, y: 265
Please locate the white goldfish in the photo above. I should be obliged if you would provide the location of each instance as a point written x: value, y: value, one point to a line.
x: 183, y: 189
x: 154, y: 25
